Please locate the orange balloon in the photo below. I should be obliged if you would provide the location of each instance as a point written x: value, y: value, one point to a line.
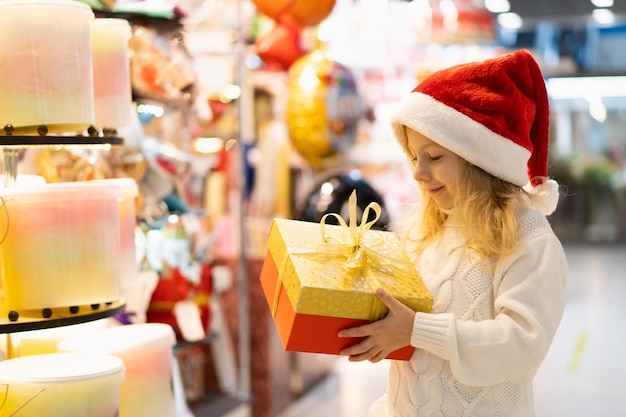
x: 306, y: 12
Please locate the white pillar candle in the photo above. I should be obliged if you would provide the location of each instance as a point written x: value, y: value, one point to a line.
x: 111, y: 72
x: 147, y: 352
x: 61, y: 245
x: 129, y: 267
x: 61, y: 385
x: 45, y: 65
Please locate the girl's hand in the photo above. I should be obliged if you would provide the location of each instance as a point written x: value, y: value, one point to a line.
x: 383, y: 336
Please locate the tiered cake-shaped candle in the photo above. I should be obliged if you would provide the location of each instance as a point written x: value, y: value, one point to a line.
x: 45, y: 66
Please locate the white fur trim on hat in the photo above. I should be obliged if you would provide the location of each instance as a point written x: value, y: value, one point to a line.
x: 462, y: 135
x: 544, y: 197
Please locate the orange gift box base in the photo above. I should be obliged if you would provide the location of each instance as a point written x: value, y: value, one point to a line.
x: 305, y: 332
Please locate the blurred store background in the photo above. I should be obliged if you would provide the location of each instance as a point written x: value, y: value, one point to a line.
x: 247, y: 110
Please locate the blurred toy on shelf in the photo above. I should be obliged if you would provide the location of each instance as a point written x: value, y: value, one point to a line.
x: 160, y: 65
x: 180, y: 253
x: 331, y: 195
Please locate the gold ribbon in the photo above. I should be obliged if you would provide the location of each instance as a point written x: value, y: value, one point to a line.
x: 360, y: 260
x: 351, y: 247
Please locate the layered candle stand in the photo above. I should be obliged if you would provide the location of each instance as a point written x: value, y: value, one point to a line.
x: 61, y: 242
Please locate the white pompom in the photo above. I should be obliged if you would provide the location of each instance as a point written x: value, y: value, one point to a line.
x: 544, y: 197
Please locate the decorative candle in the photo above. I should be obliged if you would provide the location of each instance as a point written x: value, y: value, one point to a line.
x: 61, y: 385
x: 129, y: 267
x: 147, y: 352
x: 45, y: 65
x: 38, y: 342
x: 60, y: 246
x: 111, y: 72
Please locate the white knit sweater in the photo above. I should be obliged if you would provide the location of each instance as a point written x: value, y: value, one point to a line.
x: 479, y: 348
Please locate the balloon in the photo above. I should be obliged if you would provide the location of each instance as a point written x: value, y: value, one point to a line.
x: 306, y: 12
x: 280, y: 47
x: 331, y: 196
x: 323, y: 108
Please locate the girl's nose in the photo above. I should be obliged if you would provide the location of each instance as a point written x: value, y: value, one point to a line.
x: 420, y: 172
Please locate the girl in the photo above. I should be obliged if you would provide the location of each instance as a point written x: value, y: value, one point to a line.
x: 476, y: 136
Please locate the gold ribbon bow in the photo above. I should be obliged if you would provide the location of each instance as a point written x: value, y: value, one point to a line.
x: 359, y: 256
x: 352, y: 249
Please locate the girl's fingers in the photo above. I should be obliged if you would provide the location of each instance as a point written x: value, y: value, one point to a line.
x: 390, y: 301
x: 373, y: 355
x: 360, y: 331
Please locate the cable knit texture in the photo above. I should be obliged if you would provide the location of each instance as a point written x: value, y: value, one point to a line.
x: 480, y: 347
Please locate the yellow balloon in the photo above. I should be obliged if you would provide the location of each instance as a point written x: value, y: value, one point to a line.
x: 323, y: 108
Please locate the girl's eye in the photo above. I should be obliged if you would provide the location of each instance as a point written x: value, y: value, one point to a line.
x: 435, y: 157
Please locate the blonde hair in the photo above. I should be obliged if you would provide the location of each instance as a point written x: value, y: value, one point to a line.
x: 488, y: 208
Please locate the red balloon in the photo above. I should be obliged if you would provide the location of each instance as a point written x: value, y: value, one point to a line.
x: 280, y: 47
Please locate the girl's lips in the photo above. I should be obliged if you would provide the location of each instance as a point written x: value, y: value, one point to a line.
x: 435, y: 190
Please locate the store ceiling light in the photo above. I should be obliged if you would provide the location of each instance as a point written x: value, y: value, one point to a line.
x: 565, y: 88
x: 602, y: 3
x: 498, y: 6
x: 510, y: 20
x: 603, y: 16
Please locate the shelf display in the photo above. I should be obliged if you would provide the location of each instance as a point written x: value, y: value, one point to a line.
x: 62, y: 317
x: 60, y: 242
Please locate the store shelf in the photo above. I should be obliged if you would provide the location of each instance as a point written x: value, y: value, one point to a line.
x: 94, y: 138
x: 10, y: 144
x: 62, y: 317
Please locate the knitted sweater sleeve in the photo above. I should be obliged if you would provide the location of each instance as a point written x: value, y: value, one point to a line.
x: 529, y: 298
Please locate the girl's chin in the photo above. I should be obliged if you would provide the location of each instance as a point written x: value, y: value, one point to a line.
x: 443, y: 205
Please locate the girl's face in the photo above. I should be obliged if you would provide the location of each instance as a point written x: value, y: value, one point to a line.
x: 436, y: 169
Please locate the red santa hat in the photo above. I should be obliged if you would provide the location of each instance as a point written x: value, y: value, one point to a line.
x: 494, y: 114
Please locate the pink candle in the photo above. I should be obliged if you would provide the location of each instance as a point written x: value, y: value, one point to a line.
x: 147, y: 352
x: 111, y: 72
x: 60, y: 246
x: 129, y: 267
x: 45, y: 65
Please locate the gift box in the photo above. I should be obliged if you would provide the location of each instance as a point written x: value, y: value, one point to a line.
x: 320, y: 278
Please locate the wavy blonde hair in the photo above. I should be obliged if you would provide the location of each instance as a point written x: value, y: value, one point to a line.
x: 488, y: 209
